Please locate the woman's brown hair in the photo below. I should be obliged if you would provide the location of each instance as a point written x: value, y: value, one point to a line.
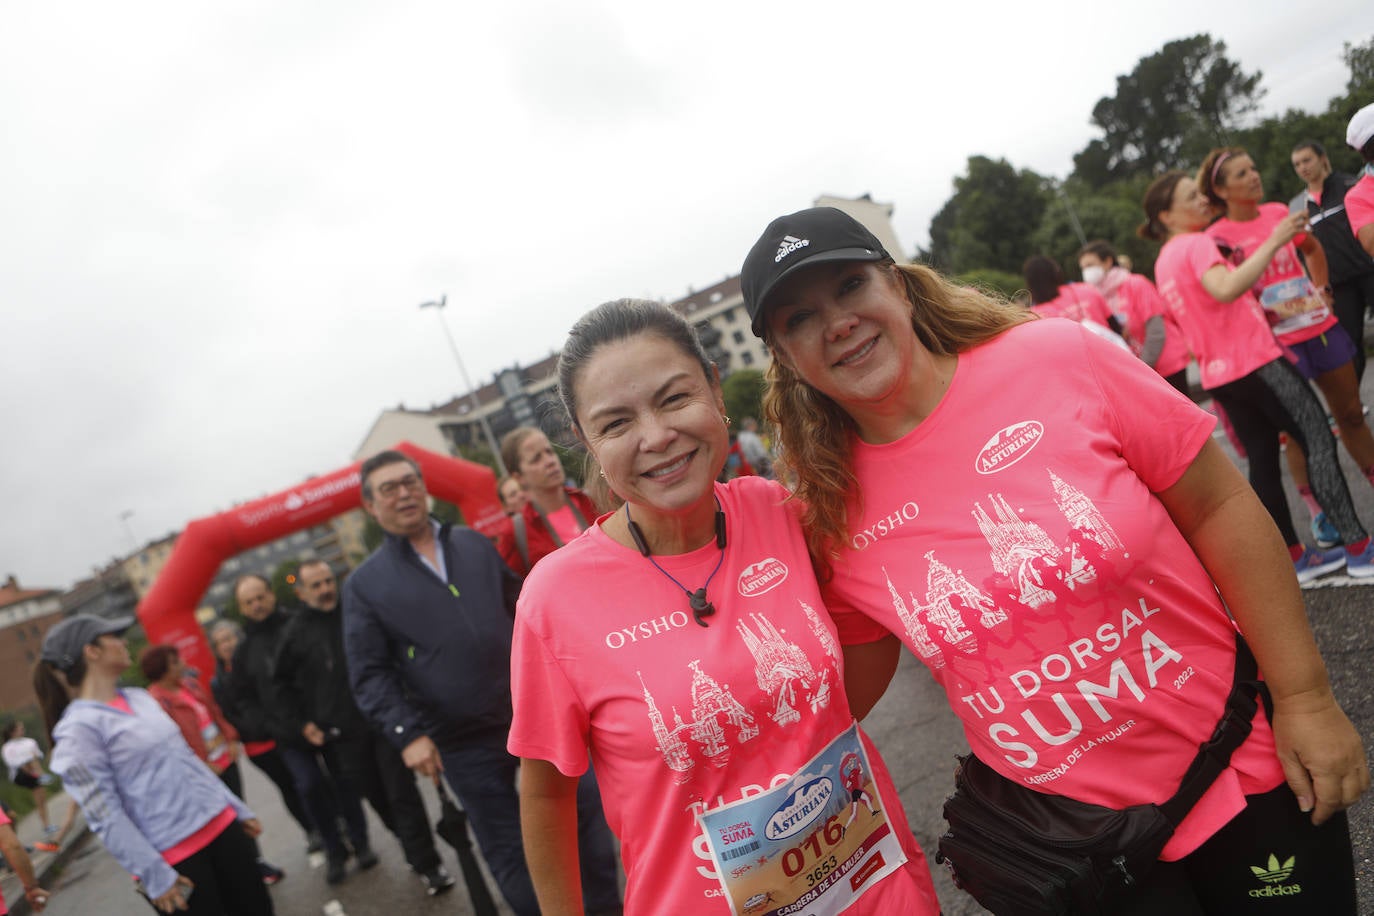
x: 52, y: 691
x: 816, y: 433
x: 1210, y: 173
x: 1159, y: 196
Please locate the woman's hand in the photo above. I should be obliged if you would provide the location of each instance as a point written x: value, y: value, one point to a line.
x: 1322, y: 756
x: 252, y: 827
x: 37, y: 898
x: 176, y: 898
x: 1291, y: 225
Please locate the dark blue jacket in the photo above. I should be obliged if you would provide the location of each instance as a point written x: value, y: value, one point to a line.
x: 427, y: 657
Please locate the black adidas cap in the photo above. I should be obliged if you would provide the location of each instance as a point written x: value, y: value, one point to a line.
x: 805, y: 237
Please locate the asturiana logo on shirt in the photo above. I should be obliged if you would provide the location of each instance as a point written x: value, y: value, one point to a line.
x: 1274, y: 876
x: 800, y: 808
x: 760, y: 577
x: 789, y: 245
x: 1008, y: 446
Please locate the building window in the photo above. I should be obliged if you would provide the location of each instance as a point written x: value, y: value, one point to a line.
x: 730, y: 315
x: 747, y: 357
x: 739, y: 337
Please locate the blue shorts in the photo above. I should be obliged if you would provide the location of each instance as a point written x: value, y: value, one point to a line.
x: 1321, y: 354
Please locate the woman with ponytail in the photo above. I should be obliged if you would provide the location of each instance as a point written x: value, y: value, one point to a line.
x: 1243, y: 366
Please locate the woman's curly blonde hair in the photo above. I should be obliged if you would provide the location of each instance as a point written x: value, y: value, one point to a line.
x: 816, y: 434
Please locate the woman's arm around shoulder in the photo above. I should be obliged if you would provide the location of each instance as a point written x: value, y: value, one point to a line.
x: 1233, y: 535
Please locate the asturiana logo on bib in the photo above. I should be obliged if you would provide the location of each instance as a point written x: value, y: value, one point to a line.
x: 1008, y: 446
x: 760, y: 577
x: 802, y: 807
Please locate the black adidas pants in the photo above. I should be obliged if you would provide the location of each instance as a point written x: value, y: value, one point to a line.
x: 1268, y: 860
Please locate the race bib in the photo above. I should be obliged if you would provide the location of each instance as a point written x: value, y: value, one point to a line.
x: 1292, y: 305
x: 812, y: 845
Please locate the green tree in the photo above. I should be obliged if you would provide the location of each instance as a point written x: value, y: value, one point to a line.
x: 989, y: 220
x: 284, y: 582
x: 743, y: 392
x: 1167, y: 112
x: 1111, y: 213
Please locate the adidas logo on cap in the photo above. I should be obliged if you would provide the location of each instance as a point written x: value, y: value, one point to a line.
x: 789, y: 245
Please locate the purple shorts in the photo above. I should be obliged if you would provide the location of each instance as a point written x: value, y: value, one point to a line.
x: 1319, y: 355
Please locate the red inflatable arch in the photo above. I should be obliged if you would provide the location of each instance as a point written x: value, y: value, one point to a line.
x: 167, y: 611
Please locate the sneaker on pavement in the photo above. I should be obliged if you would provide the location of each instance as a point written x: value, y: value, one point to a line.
x: 1314, y: 563
x: 336, y: 870
x: 437, y: 881
x: 270, y: 873
x: 45, y: 846
x: 1325, y: 532
x: 1361, y: 565
x: 314, y: 842
x: 365, y: 857
x: 50, y: 829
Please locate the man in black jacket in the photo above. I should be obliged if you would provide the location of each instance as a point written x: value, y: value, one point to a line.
x: 257, y: 705
x: 312, y: 679
x: 427, y: 628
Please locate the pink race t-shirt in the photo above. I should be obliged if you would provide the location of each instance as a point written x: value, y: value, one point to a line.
x: 680, y: 718
x: 1359, y: 204
x: 1137, y: 299
x: 1294, y: 310
x: 1076, y: 302
x: 1014, y: 542
x: 1229, y: 339
x: 564, y: 523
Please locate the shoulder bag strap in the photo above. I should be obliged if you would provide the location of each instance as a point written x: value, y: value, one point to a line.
x: 1214, y: 756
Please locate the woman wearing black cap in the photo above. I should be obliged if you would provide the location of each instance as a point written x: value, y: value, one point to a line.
x: 1045, y: 523
x: 157, y: 808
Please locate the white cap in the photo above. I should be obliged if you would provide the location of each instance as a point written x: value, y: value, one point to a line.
x: 1361, y: 127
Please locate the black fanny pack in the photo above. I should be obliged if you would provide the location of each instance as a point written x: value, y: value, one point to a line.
x: 1020, y: 852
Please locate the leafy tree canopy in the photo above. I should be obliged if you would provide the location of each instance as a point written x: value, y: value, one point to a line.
x: 989, y: 220
x: 1176, y: 104
x: 743, y: 393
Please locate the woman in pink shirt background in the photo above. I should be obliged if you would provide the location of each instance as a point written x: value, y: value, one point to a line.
x: 1359, y: 200
x: 1298, y: 309
x: 1051, y: 297
x: 1026, y: 508
x: 1147, y: 325
x: 1243, y: 367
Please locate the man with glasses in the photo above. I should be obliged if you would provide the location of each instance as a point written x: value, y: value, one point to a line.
x: 427, y: 634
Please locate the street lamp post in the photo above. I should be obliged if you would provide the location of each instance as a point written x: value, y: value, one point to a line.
x: 440, y: 304
x: 129, y: 529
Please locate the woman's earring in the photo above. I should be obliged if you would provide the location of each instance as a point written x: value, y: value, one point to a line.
x: 727, y: 421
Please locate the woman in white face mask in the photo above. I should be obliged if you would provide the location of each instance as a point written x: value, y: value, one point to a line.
x: 1147, y: 325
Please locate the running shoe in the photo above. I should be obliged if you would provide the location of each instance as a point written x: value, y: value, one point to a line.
x: 270, y: 873
x: 437, y: 881
x: 51, y: 829
x: 1325, y: 532
x: 336, y: 869
x: 314, y: 842
x: 1314, y: 563
x: 45, y: 846
x: 1361, y: 565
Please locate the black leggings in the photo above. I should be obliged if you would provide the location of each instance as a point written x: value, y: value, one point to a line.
x: 226, y: 878
x: 1272, y: 398
x: 1302, y: 869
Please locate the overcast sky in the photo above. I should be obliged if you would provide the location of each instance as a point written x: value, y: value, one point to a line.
x: 219, y: 219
